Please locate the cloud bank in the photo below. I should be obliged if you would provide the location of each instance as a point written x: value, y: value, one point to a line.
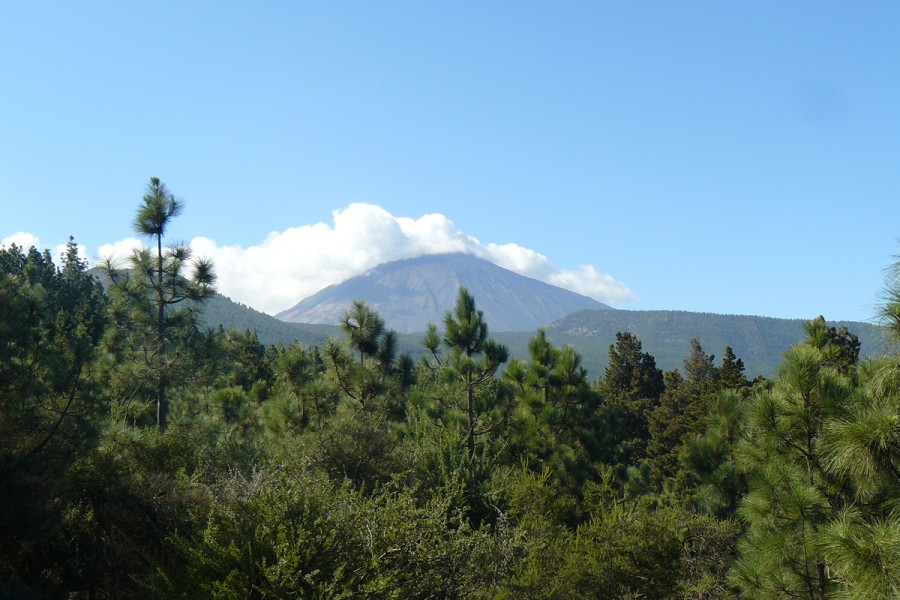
x: 295, y: 263
x: 26, y: 240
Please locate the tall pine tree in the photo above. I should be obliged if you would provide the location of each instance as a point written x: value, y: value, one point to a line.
x: 156, y: 299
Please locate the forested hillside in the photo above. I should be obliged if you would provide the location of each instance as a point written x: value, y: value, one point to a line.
x: 146, y: 456
x: 221, y: 311
x: 759, y: 341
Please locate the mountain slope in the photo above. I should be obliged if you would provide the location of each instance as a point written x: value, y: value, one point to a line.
x: 759, y: 341
x: 222, y: 310
x: 410, y: 294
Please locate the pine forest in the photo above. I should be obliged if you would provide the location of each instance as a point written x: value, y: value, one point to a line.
x: 145, y: 455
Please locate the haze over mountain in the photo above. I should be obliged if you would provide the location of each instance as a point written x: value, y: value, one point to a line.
x: 409, y: 294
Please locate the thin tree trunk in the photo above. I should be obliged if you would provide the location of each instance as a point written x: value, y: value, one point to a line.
x: 823, y: 579
x: 470, y: 409
x: 161, y: 403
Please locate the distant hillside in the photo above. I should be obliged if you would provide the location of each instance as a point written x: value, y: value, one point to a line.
x: 410, y: 294
x: 758, y: 341
x: 221, y: 310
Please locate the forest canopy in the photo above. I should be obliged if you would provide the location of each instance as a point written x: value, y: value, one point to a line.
x: 143, y: 455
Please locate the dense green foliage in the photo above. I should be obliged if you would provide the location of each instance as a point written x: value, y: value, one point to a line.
x: 344, y: 469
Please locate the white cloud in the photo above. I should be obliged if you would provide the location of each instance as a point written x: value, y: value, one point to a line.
x: 21, y: 239
x: 295, y: 263
x: 588, y: 281
x: 59, y: 251
x: 119, y: 251
x: 298, y: 262
x: 25, y: 241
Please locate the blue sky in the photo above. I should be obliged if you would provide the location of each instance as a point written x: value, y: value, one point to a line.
x: 708, y: 156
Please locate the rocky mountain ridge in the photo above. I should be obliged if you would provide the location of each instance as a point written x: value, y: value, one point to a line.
x: 409, y: 294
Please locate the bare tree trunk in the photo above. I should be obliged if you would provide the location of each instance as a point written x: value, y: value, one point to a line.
x: 161, y: 402
x: 470, y: 410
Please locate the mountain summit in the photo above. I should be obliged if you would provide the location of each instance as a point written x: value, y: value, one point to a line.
x: 409, y: 294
